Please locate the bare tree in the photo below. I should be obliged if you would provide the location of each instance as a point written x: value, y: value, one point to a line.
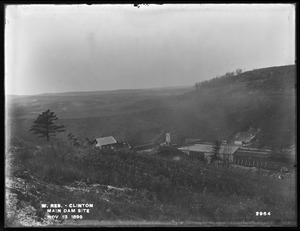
x: 73, y: 140
x: 229, y: 74
x: 215, y: 150
x: 89, y: 142
x: 238, y: 71
x: 197, y: 86
x: 226, y: 154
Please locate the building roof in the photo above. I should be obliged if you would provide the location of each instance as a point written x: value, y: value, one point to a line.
x: 197, y: 148
x: 251, y: 152
x: 145, y: 146
x: 105, y: 141
x: 207, y: 148
x: 254, y: 149
x: 228, y: 149
x: 247, y: 136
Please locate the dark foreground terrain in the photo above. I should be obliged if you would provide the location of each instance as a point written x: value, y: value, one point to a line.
x: 147, y: 189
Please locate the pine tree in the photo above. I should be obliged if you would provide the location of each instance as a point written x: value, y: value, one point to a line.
x: 45, y: 126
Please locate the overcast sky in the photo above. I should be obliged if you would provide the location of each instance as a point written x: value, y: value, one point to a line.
x: 56, y: 48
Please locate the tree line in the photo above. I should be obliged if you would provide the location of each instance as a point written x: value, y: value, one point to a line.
x: 216, y: 81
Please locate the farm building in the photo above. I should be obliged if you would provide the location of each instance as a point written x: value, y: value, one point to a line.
x: 245, y: 138
x: 172, y: 138
x: 227, y: 152
x: 110, y: 142
x: 106, y: 142
x: 252, y: 157
x: 238, y: 142
x: 204, y: 151
x: 197, y: 149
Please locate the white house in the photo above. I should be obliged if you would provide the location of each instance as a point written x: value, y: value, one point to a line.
x: 106, y: 142
x: 238, y: 142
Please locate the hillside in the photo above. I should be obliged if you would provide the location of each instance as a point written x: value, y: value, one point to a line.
x: 166, y: 188
x: 263, y: 99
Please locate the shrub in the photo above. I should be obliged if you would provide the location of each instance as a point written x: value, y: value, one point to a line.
x: 169, y: 151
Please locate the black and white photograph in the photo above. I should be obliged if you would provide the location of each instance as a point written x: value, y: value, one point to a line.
x: 150, y: 115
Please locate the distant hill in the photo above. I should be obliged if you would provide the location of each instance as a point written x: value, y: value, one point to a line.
x: 111, y: 92
x: 263, y: 99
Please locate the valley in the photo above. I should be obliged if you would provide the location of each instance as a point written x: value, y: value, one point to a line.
x: 215, y: 112
x: 166, y: 187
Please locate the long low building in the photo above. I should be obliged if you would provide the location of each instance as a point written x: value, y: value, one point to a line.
x: 234, y: 154
x: 202, y: 151
x: 252, y: 157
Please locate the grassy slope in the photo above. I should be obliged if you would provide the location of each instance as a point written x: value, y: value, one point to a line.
x: 164, y: 189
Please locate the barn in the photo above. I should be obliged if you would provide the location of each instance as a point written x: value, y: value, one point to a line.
x: 199, y: 151
x: 110, y: 142
x: 106, y: 142
x: 227, y: 152
x: 204, y: 151
x: 252, y: 157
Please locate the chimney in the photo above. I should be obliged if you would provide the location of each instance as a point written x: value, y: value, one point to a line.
x: 168, y: 138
